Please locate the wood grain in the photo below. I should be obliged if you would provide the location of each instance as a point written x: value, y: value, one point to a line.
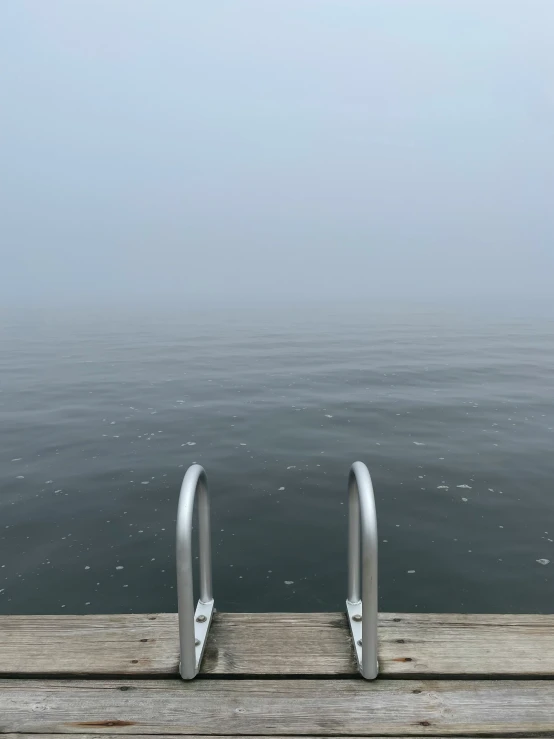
x: 278, y: 707
x: 478, y: 645
x: 196, y: 736
x: 410, y: 645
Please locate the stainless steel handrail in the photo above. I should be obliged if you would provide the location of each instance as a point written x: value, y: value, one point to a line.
x: 362, y: 520
x: 193, y: 624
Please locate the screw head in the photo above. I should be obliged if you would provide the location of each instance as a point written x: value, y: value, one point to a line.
x: 201, y: 619
x: 359, y: 642
x: 197, y: 642
x: 356, y: 617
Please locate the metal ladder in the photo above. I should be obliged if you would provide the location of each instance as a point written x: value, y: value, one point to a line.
x: 194, y: 623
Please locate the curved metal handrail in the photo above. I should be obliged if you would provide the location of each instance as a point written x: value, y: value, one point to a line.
x: 193, y: 625
x: 362, y: 519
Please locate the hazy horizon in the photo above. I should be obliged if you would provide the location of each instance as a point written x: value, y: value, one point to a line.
x: 249, y: 153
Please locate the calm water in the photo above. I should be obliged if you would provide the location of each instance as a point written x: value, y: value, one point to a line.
x: 99, y: 418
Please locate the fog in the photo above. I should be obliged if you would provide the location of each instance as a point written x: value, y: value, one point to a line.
x: 276, y: 151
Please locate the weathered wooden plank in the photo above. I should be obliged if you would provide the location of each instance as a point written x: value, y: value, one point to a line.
x: 194, y: 736
x: 93, y: 644
x: 467, y: 644
x: 279, y: 644
x: 278, y: 707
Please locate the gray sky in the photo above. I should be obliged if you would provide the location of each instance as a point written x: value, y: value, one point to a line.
x: 278, y: 150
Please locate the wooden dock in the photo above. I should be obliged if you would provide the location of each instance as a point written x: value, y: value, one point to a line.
x: 277, y: 675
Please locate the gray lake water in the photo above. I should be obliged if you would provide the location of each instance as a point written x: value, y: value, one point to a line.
x: 101, y: 415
